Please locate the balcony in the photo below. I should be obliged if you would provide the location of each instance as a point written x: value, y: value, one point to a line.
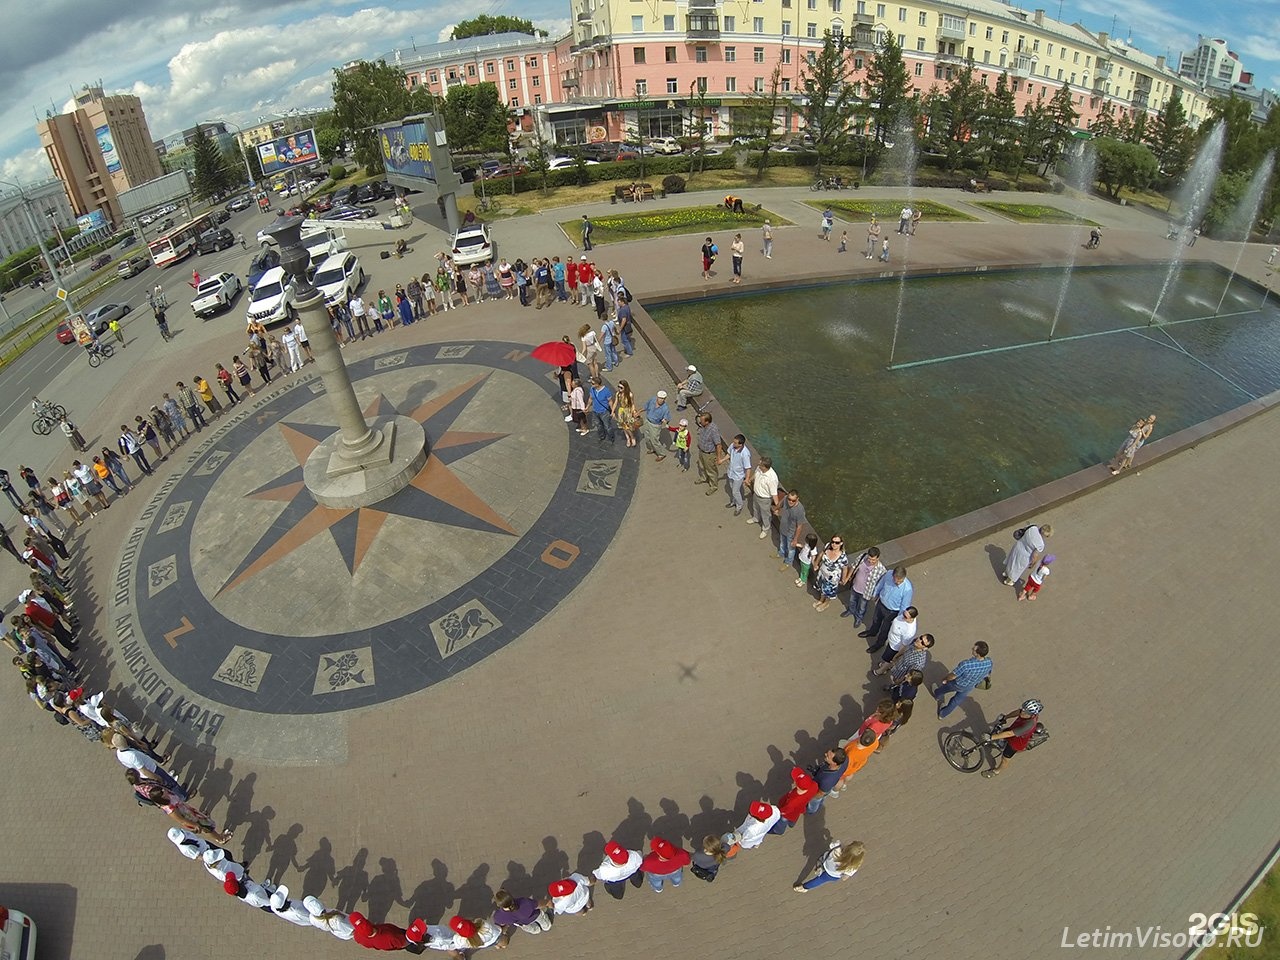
x: 569, y: 83
x: 702, y: 4
x: 584, y: 18
x: 600, y: 40
x: 862, y: 19
x: 862, y: 38
x: 951, y: 32
x: 1102, y: 71
x: 1023, y: 67
x: 1141, y: 99
x: 702, y: 27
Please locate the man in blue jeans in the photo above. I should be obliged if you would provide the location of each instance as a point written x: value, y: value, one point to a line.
x: 961, y: 681
x: 601, y: 398
x: 792, y: 524
x: 828, y: 774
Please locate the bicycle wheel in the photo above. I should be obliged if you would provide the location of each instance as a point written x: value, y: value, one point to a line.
x: 961, y: 750
x: 59, y: 410
x: 95, y: 358
x: 41, y: 427
x: 107, y: 349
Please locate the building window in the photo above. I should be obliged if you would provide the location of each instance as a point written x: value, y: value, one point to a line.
x: 1086, y: 61
x: 702, y: 84
x: 902, y: 40
x: 786, y: 55
x: 433, y: 77
x: 637, y: 54
x: 671, y: 54
x: 730, y: 54
x: 515, y: 101
x: 1075, y: 58
x: 637, y: 24
x: 511, y: 64
x: 786, y: 28
x: 673, y: 85
x: 699, y: 54
x: 813, y: 4
x: 937, y: 72
x: 811, y: 57
x: 757, y: 54
x: 1004, y: 36
x: 923, y: 19
x: 730, y: 84
x: 642, y: 87
x: 511, y: 84
x: 902, y: 14
x: 757, y: 24
x: 669, y: 21
x: 537, y: 98
x: 758, y: 85
x: 986, y: 56
x: 919, y: 69
x: 533, y: 62
x: 1049, y: 50
x: 835, y: 6
x: 488, y: 67
x: 810, y: 29
x: 989, y: 33
x: 973, y: 28
x: 1035, y: 45
x: 730, y: 24
x: 1073, y: 78
x: 537, y: 81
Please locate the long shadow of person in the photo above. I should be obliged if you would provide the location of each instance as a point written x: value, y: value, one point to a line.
x: 817, y: 840
x: 431, y: 898
x: 384, y: 891
x: 475, y: 897
x: 634, y: 830
x: 592, y: 851
x: 997, y: 557
x: 216, y: 785
x: 319, y: 870
x: 284, y: 854
x: 750, y: 790
x: 352, y: 882
x: 673, y: 825
x: 240, y: 801
x: 552, y: 865
x: 778, y: 780
x: 709, y: 820
x: 806, y: 747
x: 258, y: 835
x: 190, y: 764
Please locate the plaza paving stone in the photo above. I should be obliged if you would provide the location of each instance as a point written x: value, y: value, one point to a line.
x: 679, y: 679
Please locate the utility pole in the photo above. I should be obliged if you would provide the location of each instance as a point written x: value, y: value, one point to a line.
x: 44, y: 250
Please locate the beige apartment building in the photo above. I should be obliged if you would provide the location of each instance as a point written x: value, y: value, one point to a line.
x: 634, y: 66
x: 98, y: 149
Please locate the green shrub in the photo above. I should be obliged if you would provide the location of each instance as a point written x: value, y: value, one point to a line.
x: 673, y: 183
x: 337, y: 172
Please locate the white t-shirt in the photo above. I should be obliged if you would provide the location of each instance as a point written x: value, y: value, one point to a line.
x: 356, y: 306
x: 752, y: 832
x: 1039, y: 574
x: 574, y: 902
x: 135, y: 760
x: 765, y: 483
x: 807, y: 553
x: 902, y: 631
x: 830, y: 865
x: 610, y: 872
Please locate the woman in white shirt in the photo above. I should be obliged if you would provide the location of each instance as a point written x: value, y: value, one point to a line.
x: 842, y: 860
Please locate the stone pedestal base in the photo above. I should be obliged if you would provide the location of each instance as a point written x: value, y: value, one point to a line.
x: 335, y: 481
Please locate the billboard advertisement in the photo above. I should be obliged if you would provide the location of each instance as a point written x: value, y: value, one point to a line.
x: 91, y: 221
x: 287, y: 153
x: 406, y: 149
x: 108, y: 148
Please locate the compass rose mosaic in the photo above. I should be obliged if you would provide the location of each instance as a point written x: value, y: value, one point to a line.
x: 237, y: 589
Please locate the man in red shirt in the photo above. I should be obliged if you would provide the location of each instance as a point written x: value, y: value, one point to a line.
x: 1017, y: 733
x: 571, y: 278
x: 804, y: 788
x: 585, y: 276
x: 665, y: 862
x: 378, y: 936
x: 46, y: 620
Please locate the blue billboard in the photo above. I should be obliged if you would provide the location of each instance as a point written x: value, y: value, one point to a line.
x: 406, y: 150
x: 92, y: 220
x: 109, y: 155
x: 286, y: 153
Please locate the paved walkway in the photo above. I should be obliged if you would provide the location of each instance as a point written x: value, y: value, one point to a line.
x: 675, y: 683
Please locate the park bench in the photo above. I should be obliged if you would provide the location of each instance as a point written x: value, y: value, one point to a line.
x: 624, y: 193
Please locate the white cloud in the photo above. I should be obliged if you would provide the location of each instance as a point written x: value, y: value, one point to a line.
x: 29, y: 166
x: 445, y: 33
x: 555, y: 27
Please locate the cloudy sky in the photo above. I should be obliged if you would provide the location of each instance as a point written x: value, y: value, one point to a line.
x: 239, y: 60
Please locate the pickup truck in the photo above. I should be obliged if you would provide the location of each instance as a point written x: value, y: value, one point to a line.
x: 215, y: 293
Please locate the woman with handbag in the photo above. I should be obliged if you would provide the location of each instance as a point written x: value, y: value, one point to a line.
x: 625, y: 413
x: 63, y: 500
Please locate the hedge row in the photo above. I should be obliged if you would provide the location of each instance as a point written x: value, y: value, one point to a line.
x: 654, y: 169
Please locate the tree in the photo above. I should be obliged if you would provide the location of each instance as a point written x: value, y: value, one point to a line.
x: 536, y: 160
x: 475, y: 118
x: 999, y: 126
x: 1242, y: 146
x: 366, y: 95
x: 1104, y: 124
x: 888, y: 88
x: 209, y: 171
x: 696, y: 140
x: 328, y: 141
x: 1169, y: 137
x: 1037, y: 129
x: 1228, y: 193
x: 757, y: 119
x: 485, y: 24
x: 1062, y: 126
x: 1124, y: 164
x: 829, y: 98
x: 961, y: 112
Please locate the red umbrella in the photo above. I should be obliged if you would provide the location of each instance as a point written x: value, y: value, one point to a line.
x: 557, y: 353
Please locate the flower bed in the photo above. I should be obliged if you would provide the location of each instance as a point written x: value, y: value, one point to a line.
x: 889, y: 209
x: 661, y: 223
x: 1033, y: 213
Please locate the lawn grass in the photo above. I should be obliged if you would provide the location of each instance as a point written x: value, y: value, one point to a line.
x: 1032, y: 212
x: 1265, y: 903
x: 659, y: 222
x: 858, y: 210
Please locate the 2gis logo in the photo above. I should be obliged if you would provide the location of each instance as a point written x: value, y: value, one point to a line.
x: 1225, y: 929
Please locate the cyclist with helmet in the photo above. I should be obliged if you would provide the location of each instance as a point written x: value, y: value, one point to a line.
x: 1016, y: 734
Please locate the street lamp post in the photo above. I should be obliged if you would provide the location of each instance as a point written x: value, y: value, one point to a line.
x: 44, y: 251
x: 248, y: 170
x: 62, y: 244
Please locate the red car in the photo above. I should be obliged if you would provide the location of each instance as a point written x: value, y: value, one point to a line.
x: 323, y: 202
x: 64, y: 333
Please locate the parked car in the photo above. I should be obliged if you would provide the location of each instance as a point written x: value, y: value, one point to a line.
x: 350, y: 213
x: 507, y: 170
x: 386, y: 190
x: 267, y: 258
x: 323, y: 202
x: 348, y: 196
x: 98, y: 318
x: 213, y: 240
x: 339, y: 277
x: 272, y: 300
x: 568, y: 163
x: 167, y: 224
x: 221, y: 216
x: 321, y: 246
x: 100, y: 261
x: 242, y: 202
x: 472, y: 245
x: 666, y: 145
x: 216, y: 293
x: 64, y: 333
x: 126, y: 239
x: 17, y: 935
x: 132, y: 267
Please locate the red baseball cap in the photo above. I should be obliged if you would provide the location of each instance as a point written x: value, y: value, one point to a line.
x: 231, y: 885
x: 358, y: 920
x: 663, y: 848
x: 561, y: 888
x: 417, y: 931
x: 761, y: 811
x: 802, y: 780
x: 616, y: 852
x: 462, y: 927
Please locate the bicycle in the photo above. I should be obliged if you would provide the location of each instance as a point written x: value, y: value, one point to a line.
x: 47, y: 418
x: 965, y: 751
x: 98, y: 352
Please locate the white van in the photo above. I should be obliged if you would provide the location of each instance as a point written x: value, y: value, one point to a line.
x: 17, y: 935
x: 339, y: 277
x: 272, y: 300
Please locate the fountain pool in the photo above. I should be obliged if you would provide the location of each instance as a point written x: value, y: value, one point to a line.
x: 878, y: 453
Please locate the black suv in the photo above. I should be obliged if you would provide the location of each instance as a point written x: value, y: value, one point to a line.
x: 219, y: 239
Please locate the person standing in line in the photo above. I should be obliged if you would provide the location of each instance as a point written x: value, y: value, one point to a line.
x: 873, y: 238
x: 867, y: 571
x: 963, y: 680
x: 626, y: 327
x: 827, y: 773
x: 759, y: 823
x: 332, y: 922
x: 586, y: 277
x: 601, y: 403
x: 131, y: 447
x: 115, y: 463
x: 904, y: 220
x: 808, y: 557
x: 710, y: 448
x: 842, y: 860
x: 187, y: 399
x: 794, y: 802
x: 587, y: 229
x: 708, y: 257
x: 571, y: 281
x: 7, y: 486
x: 893, y: 594
x: 147, y: 434
x: 792, y: 523
x: 1028, y: 545
x: 8, y: 544
x: 914, y: 657
x: 357, y: 310
x: 160, y: 420
x: 224, y: 380
x: 609, y: 339
x: 736, y: 250
x: 714, y: 853
x: 518, y: 913
x: 1016, y: 734
x: 738, y: 457
x: 42, y: 529
x: 902, y: 633
x: 289, y: 340
x: 88, y: 478
x: 40, y: 504
x: 657, y: 417
x: 763, y: 482
x: 558, y: 276
x: 833, y: 572
x: 619, y: 866
x: 766, y: 233
x: 300, y: 335
x: 415, y: 294
x: 664, y: 864
x: 1139, y: 433
x: 568, y: 896
x: 206, y: 395
x: 903, y: 696
x: 176, y: 419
